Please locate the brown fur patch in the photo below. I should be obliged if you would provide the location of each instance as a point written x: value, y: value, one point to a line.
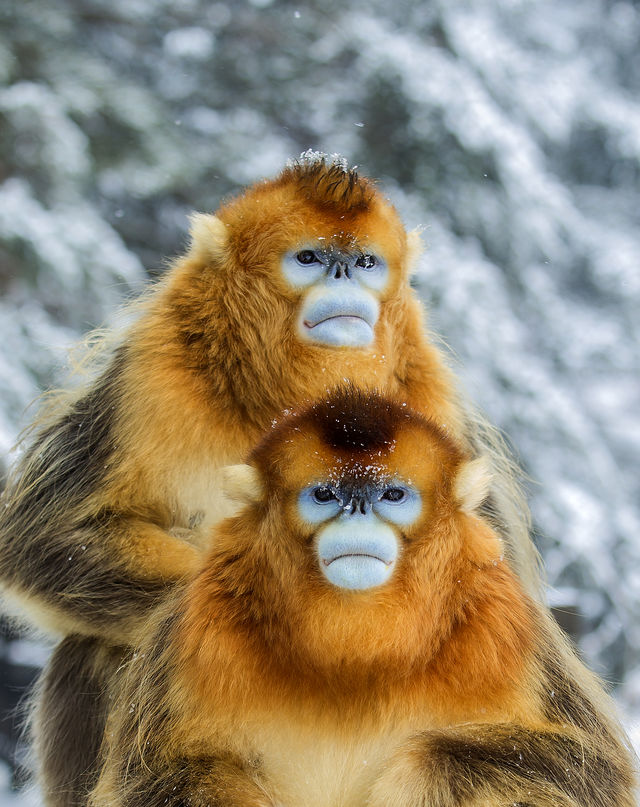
x: 328, y: 185
x: 503, y: 764
x: 356, y: 421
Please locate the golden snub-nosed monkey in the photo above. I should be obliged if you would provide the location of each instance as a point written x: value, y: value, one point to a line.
x: 356, y: 638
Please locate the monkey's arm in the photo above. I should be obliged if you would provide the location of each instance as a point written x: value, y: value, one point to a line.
x: 501, y: 765
x: 98, y: 577
x: 76, y: 554
x: 187, y: 782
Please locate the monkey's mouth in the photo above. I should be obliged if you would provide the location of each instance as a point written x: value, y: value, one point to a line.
x: 329, y: 561
x: 357, y: 570
x: 339, y: 330
x: 357, y: 555
x: 344, y: 318
x: 339, y: 318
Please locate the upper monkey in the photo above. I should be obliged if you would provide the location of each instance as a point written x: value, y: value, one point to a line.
x: 302, y: 270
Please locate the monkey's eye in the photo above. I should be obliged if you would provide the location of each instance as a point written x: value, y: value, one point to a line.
x: 323, y: 495
x: 366, y: 261
x: 399, y: 503
x: 394, y: 495
x: 306, y: 257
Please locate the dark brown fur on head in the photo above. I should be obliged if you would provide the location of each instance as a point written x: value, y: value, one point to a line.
x: 354, y: 420
x: 347, y: 419
x: 328, y: 185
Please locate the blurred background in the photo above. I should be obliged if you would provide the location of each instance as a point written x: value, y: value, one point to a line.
x: 507, y: 130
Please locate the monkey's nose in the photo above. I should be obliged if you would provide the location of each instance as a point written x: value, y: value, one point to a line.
x: 359, y: 506
x: 339, y: 270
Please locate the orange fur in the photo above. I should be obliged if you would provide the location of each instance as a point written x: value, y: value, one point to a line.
x: 449, y: 637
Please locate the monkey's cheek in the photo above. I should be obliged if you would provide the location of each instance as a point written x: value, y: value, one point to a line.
x: 357, y: 571
x: 342, y: 331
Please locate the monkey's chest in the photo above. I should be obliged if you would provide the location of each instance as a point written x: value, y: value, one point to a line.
x: 313, y: 766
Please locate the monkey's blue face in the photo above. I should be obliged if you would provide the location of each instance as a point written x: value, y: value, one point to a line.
x: 341, y: 294
x: 358, y: 542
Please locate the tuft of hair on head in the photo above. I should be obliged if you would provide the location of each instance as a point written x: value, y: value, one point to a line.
x: 327, y: 182
x: 241, y: 483
x: 208, y: 237
x: 472, y: 484
x: 352, y: 419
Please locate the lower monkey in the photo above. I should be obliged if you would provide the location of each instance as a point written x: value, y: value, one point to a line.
x: 355, y: 638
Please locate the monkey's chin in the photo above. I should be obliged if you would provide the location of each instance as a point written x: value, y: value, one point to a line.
x: 341, y: 331
x: 357, y: 572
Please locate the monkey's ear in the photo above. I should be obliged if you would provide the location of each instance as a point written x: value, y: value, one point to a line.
x: 208, y: 237
x: 472, y: 484
x: 415, y: 248
x: 241, y: 483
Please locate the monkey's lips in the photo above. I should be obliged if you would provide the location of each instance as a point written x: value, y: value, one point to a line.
x: 339, y: 317
x: 358, y: 554
x: 357, y: 571
x: 329, y: 561
x: 343, y: 318
x: 347, y: 330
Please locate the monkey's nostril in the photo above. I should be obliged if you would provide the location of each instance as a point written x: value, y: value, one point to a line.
x: 339, y: 268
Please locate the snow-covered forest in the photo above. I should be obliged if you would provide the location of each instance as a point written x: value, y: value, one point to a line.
x: 507, y: 130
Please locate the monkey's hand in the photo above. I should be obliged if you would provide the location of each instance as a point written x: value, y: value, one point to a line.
x: 498, y: 766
